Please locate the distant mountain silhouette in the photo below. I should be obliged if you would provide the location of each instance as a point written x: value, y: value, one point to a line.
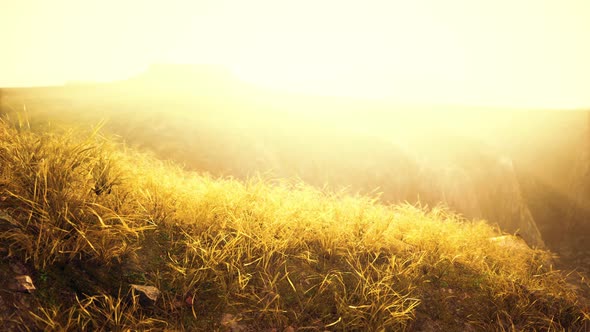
x: 185, y: 78
x: 184, y: 72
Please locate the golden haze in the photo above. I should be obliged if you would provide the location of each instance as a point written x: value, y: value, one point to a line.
x: 493, y: 53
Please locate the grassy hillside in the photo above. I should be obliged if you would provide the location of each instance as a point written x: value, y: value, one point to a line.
x: 411, y: 153
x: 86, y: 219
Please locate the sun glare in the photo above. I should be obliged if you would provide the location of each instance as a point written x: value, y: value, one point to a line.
x: 519, y: 54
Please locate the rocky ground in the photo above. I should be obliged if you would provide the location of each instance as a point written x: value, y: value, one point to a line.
x: 21, y: 288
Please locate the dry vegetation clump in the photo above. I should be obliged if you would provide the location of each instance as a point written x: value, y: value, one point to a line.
x: 53, y: 186
x: 94, y: 313
x: 261, y: 255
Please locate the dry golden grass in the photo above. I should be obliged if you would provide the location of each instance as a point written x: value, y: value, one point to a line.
x: 92, y: 217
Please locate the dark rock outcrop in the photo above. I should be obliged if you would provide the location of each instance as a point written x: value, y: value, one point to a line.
x: 577, y: 224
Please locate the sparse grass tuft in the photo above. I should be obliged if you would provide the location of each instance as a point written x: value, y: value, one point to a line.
x: 94, y: 313
x: 252, y: 256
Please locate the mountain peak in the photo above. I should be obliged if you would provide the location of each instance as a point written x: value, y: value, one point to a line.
x: 168, y: 71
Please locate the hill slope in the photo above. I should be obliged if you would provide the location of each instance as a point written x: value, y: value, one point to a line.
x: 522, y: 170
x: 92, y: 223
x: 232, y: 129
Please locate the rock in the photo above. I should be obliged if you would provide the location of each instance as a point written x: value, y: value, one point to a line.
x: 148, y: 294
x: 24, y: 284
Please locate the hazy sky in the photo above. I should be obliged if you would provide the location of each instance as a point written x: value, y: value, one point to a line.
x: 529, y: 53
